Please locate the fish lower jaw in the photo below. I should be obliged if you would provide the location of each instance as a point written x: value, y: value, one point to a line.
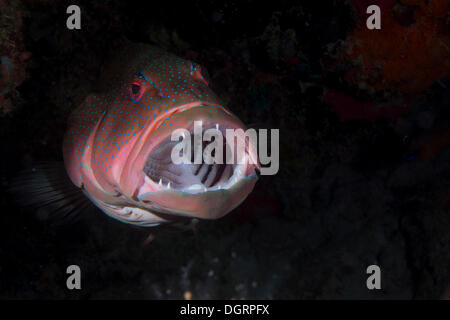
x: 239, y: 172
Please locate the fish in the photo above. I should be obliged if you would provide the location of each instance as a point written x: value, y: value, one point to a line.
x: 118, y: 143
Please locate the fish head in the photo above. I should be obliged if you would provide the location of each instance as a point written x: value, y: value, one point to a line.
x: 163, y: 97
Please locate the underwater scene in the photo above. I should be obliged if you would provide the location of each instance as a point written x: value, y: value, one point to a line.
x: 232, y: 150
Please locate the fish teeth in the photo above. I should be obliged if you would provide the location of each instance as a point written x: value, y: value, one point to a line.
x: 217, y: 126
x: 160, y: 182
x: 168, y: 185
x: 195, y: 187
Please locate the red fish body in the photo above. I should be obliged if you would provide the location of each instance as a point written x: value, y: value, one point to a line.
x: 114, y: 148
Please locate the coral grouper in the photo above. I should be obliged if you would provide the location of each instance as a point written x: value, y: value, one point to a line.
x: 117, y: 147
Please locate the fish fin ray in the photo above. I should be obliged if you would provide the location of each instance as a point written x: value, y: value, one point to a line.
x: 47, y: 191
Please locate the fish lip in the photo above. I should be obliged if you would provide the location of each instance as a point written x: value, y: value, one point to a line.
x: 188, y: 106
x: 152, y: 124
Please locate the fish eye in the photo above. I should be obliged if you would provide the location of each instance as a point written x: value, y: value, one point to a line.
x: 135, y: 88
x: 136, y: 91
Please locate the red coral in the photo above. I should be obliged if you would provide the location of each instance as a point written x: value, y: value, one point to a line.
x: 404, y: 57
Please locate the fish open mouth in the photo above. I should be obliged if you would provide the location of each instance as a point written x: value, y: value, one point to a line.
x: 162, y: 173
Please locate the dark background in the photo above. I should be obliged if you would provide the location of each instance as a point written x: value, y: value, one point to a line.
x: 364, y: 150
